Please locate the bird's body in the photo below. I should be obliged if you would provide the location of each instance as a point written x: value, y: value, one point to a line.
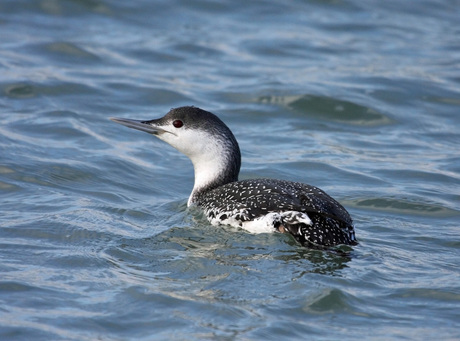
x: 256, y: 205
x: 268, y: 205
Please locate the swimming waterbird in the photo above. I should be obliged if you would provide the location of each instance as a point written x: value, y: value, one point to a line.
x: 257, y: 205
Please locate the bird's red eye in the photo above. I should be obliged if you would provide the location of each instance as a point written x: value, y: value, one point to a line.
x: 178, y: 123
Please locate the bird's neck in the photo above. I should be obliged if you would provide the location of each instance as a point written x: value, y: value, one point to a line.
x: 215, y: 171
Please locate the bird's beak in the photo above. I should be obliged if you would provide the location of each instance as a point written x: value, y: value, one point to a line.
x: 147, y: 126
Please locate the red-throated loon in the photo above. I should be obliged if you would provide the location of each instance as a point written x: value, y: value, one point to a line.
x: 257, y: 205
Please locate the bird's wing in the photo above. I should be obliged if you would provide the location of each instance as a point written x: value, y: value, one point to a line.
x: 257, y: 197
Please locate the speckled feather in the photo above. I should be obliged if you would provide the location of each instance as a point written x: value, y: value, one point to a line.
x: 330, y: 224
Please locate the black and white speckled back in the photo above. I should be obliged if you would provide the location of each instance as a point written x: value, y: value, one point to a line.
x: 237, y: 202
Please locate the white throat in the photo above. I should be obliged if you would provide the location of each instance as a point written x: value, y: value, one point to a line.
x: 207, y: 171
x: 214, y: 158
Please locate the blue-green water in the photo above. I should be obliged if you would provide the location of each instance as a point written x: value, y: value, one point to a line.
x: 360, y: 98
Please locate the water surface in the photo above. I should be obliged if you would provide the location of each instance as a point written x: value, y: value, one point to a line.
x: 360, y: 99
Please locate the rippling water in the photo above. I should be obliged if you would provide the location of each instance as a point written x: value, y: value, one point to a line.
x: 360, y: 98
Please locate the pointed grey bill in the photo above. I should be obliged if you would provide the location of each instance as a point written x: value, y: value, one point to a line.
x: 139, y: 125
